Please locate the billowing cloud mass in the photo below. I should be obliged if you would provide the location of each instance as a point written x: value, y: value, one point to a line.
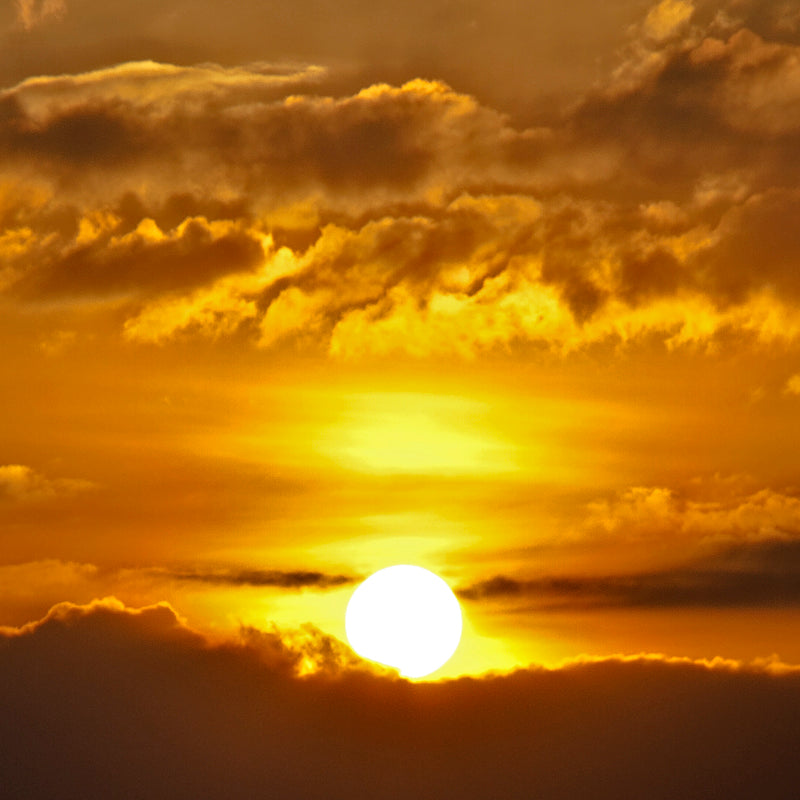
x: 246, y: 199
x: 132, y: 702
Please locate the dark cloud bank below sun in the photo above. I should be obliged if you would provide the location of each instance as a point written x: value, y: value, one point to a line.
x: 106, y: 701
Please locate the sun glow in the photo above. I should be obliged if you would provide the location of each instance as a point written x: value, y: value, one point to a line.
x: 417, y: 433
x: 404, y: 617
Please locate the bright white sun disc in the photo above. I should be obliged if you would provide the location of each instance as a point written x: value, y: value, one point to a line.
x: 404, y: 617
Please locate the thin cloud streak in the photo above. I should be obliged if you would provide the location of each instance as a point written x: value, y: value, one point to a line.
x: 761, y: 575
x: 292, y: 579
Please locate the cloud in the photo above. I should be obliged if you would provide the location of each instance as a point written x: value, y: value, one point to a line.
x: 247, y: 128
x: 764, y: 575
x: 666, y: 18
x: 51, y: 572
x: 103, y: 699
x: 23, y: 484
x: 652, y: 512
x: 774, y: 20
x: 793, y: 385
x: 220, y: 201
x: 55, y: 343
x: 498, y: 51
x: 485, y: 272
x: 280, y: 579
x: 146, y: 260
x: 29, y: 588
x: 31, y: 13
x: 754, y: 247
x: 760, y: 86
x: 712, y: 544
x: 156, y: 87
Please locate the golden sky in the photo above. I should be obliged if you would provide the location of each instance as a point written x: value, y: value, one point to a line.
x: 292, y: 291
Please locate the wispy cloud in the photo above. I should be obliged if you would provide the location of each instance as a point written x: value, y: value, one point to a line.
x: 758, y: 575
x: 653, y: 512
x: 793, y: 385
x: 279, y: 579
x: 32, y: 13
x: 24, y: 484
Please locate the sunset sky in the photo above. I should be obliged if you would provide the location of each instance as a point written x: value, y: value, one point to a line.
x: 291, y: 291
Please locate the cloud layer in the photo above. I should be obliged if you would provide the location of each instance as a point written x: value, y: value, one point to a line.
x: 414, y: 218
x: 764, y: 576
x: 108, y: 700
x: 723, y: 548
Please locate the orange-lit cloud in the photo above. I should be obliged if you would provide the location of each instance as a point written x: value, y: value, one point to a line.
x: 710, y: 545
x: 19, y: 483
x: 667, y: 18
x: 31, y: 13
x: 659, y: 512
x: 245, y: 199
x: 793, y: 385
x: 474, y: 43
x: 27, y: 588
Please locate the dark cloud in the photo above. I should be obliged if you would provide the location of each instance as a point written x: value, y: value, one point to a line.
x: 644, y: 275
x: 297, y: 579
x: 779, y: 20
x: 237, y: 129
x: 84, y: 136
x: 101, y: 701
x: 755, y: 575
x: 168, y: 214
x: 498, y: 51
x: 499, y: 586
x: 709, y: 103
x: 146, y: 261
x: 349, y: 146
x: 758, y: 246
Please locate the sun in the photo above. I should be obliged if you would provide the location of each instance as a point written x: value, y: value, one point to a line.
x: 404, y: 617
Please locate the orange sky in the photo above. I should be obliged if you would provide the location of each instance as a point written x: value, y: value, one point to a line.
x: 289, y: 293
x: 274, y: 315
